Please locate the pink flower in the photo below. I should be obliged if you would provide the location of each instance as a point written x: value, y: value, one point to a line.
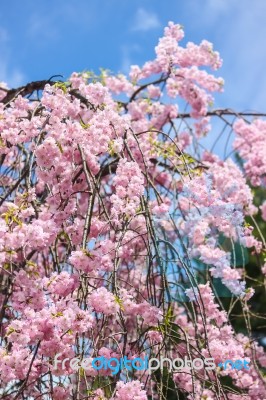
x: 103, y: 301
x: 130, y: 391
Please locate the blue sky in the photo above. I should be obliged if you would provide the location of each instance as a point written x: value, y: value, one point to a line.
x: 41, y: 38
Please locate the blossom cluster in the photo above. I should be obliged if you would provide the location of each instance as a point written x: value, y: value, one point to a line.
x: 106, y: 206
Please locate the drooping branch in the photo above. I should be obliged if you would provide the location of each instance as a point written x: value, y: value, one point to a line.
x: 226, y: 111
x: 30, y: 88
x: 27, y: 89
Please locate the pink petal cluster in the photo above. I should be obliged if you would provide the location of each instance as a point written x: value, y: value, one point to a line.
x: 107, y: 209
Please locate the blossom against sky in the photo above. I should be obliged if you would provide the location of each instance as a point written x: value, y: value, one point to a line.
x: 42, y: 38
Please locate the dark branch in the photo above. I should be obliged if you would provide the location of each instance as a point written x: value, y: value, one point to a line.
x: 226, y: 111
x: 26, y: 90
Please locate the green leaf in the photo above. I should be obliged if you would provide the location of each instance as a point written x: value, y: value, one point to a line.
x: 119, y: 302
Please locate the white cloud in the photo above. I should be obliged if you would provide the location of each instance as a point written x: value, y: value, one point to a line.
x: 145, y: 21
x: 244, y: 55
x: 13, y: 77
x: 41, y: 27
x: 238, y: 31
x: 207, y: 13
x: 50, y: 26
x: 4, y: 37
x: 126, y: 63
x: 219, y: 6
x: 126, y: 58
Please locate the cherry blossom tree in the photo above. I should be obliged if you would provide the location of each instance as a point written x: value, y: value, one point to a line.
x: 121, y: 236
